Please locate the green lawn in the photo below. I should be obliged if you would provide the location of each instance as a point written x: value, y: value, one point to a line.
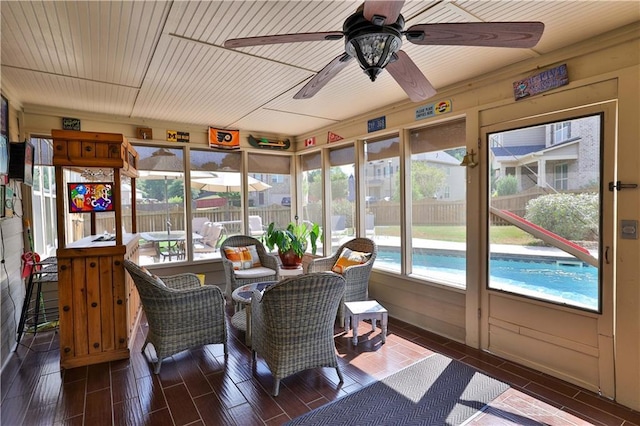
x: 499, y: 234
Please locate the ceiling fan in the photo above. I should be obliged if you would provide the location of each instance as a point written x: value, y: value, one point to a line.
x: 373, y: 35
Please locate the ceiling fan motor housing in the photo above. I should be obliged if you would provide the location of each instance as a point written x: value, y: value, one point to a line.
x: 373, y: 45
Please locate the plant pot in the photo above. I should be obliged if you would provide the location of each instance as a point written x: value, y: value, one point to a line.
x: 289, y: 259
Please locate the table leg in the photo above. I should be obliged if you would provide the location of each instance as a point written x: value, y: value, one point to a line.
x: 384, y: 327
x: 247, y: 333
x: 355, y: 320
x: 347, y: 322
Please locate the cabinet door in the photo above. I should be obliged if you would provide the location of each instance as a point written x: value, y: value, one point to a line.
x: 94, y: 305
x: 106, y: 303
x: 120, y: 313
x: 65, y: 301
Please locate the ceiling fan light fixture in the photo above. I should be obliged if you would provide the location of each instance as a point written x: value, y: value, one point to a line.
x: 373, y: 51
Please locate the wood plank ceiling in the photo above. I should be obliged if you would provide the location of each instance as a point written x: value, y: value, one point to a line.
x: 156, y: 60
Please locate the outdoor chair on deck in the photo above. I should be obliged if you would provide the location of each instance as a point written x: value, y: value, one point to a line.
x: 182, y: 314
x: 241, y: 268
x: 256, y: 229
x: 354, y: 265
x: 292, y: 324
x: 211, y: 234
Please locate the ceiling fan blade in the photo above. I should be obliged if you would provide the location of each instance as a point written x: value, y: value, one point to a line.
x: 322, y: 78
x: 410, y: 78
x: 387, y: 11
x: 490, y: 34
x: 282, y: 38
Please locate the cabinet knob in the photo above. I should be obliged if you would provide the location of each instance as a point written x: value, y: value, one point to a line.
x: 117, y: 263
x: 88, y: 148
x: 121, y: 340
x: 66, y: 308
x: 94, y: 304
x: 119, y: 302
x: 96, y: 345
x: 92, y: 264
x: 67, y: 350
x: 63, y: 267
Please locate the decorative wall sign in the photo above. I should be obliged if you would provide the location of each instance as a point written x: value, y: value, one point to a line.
x: 431, y: 110
x: 70, y: 123
x: 175, y: 136
x: 183, y: 137
x: 269, y: 143
x: 310, y: 141
x: 225, y: 139
x: 542, y: 82
x: 332, y: 137
x: 376, y: 124
x: 144, y: 133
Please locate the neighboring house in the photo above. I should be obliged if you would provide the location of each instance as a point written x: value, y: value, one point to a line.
x: 381, y: 176
x: 454, y: 188
x: 559, y: 155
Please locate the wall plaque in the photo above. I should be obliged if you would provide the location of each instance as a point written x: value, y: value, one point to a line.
x: 70, y: 123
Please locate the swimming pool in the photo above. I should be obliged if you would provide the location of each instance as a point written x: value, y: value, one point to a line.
x: 572, y: 282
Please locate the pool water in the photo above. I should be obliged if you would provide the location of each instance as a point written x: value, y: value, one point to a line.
x: 573, y: 283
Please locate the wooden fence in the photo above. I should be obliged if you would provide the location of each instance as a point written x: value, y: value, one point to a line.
x: 153, y: 217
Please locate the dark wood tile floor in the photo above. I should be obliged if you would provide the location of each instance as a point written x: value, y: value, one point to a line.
x: 199, y: 387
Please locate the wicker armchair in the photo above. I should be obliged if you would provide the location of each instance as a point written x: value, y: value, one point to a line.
x: 357, y: 276
x: 182, y: 314
x: 293, y: 322
x: 234, y: 279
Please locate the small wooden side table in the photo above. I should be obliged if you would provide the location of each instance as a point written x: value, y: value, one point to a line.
x: 367, y: 309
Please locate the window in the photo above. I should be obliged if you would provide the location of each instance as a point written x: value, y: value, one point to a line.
x: 44, y: 229
x: 382, y: 220
x: 438, y: 198
x: 311, y: 165
x: 342, y: 189
x: 561, y: 177
x: 561, y: 131
x: 216, y: 194
x: 272, y: 202
x: 567, y: 220
x: 160, y: 196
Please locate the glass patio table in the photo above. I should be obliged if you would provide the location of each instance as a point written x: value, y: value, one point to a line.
x: 175, y: 242
x: 242, y: 319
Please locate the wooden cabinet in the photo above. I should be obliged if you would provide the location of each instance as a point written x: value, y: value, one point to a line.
x: 99, y: 305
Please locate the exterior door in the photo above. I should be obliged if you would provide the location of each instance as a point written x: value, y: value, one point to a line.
x: 547, y: 299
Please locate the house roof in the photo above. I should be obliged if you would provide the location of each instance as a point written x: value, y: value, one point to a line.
x: 516, y: 151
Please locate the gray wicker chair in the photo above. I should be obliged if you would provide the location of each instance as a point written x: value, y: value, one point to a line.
x: 357, y: 276
x: 235, y: 279
x: 181, y: 314
x: 292, y: 324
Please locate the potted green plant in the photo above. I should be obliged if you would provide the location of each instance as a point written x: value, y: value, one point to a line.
x: 292, y: 241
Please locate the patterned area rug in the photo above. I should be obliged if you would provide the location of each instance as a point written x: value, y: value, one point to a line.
x: 434, y: 391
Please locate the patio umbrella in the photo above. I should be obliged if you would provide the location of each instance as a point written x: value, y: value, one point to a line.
x: 227, y: 182
x: 164, y: 164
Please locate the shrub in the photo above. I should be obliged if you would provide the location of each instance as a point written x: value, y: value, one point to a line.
x: 507, y: 185
x: 571, y: 216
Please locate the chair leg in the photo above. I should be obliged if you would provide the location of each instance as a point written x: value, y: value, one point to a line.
x: 276, y: 387
x: 146, y: 342
x: 158, y: 365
